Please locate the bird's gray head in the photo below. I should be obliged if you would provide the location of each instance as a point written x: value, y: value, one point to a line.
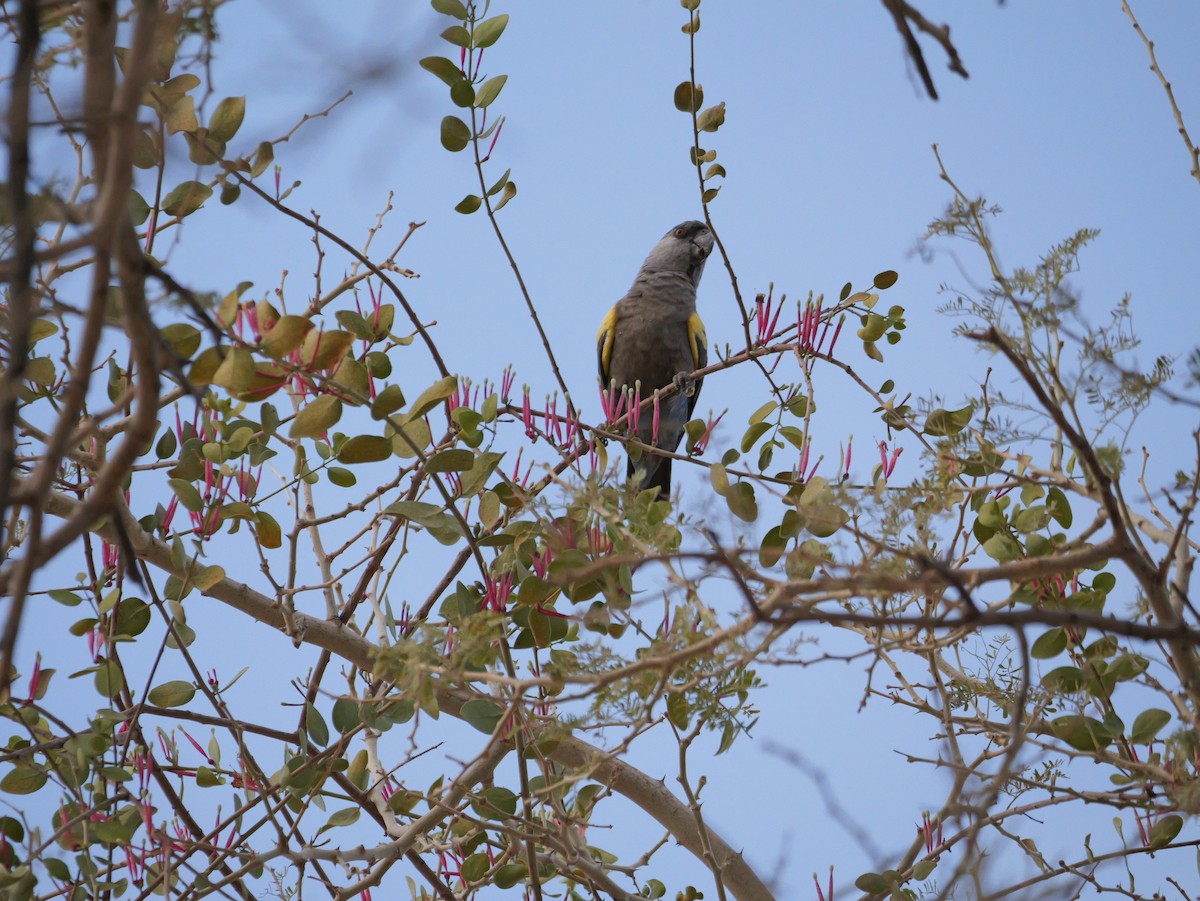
x: 683, y: 249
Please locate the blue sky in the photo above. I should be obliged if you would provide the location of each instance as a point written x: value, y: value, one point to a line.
x: 830, y: 179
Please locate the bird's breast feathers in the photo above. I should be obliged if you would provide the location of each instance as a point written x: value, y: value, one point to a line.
x: 619, y: 321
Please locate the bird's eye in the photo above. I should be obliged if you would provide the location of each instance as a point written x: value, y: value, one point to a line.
x: 680, y: 232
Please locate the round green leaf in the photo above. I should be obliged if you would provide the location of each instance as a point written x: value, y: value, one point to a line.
x: 22, y: 780
x: 455, y: 134
x: 365, y: 449
x: 1165, y: 830
x: 172, y: 694
x: 1147, y: 725
x: 489, y: 90
x: 317, y: 417
x: 886, y: 279
x: 688, y: 97
x: 468, y: 204
x: 227, y: 119
x: 488, y: 31
x: 1049, y: 644
x: 484, y: 715
x: 186, y: 198
x: 443, y: 68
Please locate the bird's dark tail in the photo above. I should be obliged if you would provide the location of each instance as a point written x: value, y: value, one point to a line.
x: 653, y: 470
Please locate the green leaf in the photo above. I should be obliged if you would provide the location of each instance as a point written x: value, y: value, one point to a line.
x: 453, y: 460
x: 431, y: 397
x: 677, y: 710
x: 462, y: 93
x: 923, y: 868
x: 488, y: 31
x: 510, y: 191
x: 1147, y: 725
x: 186, y: 198
x: 1065, y: 679
x: 719, y: 478
x: 742, y: 504
x: 468, y: 204
x: 484, y: 715
x: 873, y: 883
x: 443, y: 68
x: 499, y: 183
x: 756, y: 431
x: 1002, y: 547
x: 945, y: 423
x: 1059, y: 507
x: 227, y: 119
x: 509, y: 875
x: 1049, y: 644
x: 263, y: 157
x: 345, y: 714
x: 387, y: 402
x: 1165, y: 830
x: 451, y: 8
x: 886, y: 279
x: 457, y: 35
x: 22, y: 780
x: 411, y: 439
x: 455, y: 134
x: 139, y: 210
x: 269, y: 534
x: 763, y: 412
x: 475, y: 867
x: 109, y: 678
x: 489, y: 90
x: 236, y: 371
x: 341, y: 477
x: 712, y: 118
x: 172, y: 694
x: 347, y: 816
x: 317, y: 730
x: 287, y: 334
x: 1083, y: 733
x: 497, y: 801
x: 873, y: 327
x: 182, y: 338
x: 688, y: 98
x: 365, y: 449
x: 317, y: 417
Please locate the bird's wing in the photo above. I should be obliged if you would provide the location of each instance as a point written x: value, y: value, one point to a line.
x: 604, y: 346
x: 698, y: 341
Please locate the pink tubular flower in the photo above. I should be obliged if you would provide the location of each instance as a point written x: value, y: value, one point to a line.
x: 35, y: 678
x: 196, y: 745
x: 886, y: 465
x: 766, y: 322
x: 506, y: 382
x: 495, y: 138
x: 527, y: 417
x: 612, y: 400
x: 709, y: 426
x: 497, y: 592
x: 553, y: 426
x: 635, y: 407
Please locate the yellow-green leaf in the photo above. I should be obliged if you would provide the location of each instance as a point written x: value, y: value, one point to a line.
x: 316, y: 417
x: 227, y: 119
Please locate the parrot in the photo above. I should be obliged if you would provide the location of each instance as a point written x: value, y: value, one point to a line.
x: 653, y: 337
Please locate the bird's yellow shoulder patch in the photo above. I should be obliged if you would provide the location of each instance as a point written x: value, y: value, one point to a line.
x: 698, y: 339
x: 604, y: 343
